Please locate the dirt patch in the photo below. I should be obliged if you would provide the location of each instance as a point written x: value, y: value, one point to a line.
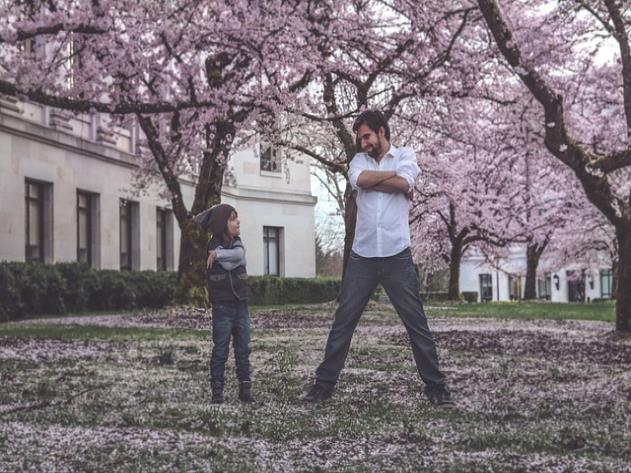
x: 530, y: 343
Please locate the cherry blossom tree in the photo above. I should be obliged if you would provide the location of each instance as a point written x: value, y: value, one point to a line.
x: 193, y: 74
x: 468, y: 197
x: 551, y: 47
x: 380, y: 55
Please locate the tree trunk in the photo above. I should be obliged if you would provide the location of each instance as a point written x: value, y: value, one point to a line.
x: 191, y: 282
x: 533, y: 255
x: 190, y: 278
x: 455, y: 257
x: 623, y: 283
x: 614, y: 277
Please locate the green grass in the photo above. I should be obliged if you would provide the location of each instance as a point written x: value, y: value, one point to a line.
x: 107, y: 398
x: 95, y: 332
x: 527, y: 310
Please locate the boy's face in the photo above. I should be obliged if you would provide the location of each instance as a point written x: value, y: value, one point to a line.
x: 233, y: 227
x: 370, y: 142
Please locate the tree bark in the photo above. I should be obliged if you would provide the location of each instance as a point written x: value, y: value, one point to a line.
x: 533, y: 255
x: 191, y: 283
x: 455, y: 258
x: 623, y: 279
x: 568, y: 150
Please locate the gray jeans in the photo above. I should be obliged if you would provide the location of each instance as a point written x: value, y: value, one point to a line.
x: 398, y: 277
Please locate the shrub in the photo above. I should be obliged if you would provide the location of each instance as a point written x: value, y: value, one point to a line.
x: 601, y: 300
x: 10, y: 301
x: 28, y: 289
x: 81, y: 282
x: 112, y: 292
x: 470, y: 296
x: 41, y: 289
x: 437, y: 296
x: 267, y: 290
x: 152, y: 288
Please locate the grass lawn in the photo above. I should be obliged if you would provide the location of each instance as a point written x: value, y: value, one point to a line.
x: 130, y: 393
x: 604, y: 311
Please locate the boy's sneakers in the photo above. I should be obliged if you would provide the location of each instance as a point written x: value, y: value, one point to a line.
x: 439, y: 395
x: 318, y: 393
x: 216, y: 390
x: 245, y: 392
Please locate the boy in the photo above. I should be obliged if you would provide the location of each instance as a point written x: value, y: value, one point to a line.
x: 228, y: 294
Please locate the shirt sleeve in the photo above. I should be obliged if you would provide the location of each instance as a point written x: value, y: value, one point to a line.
x: 230, y: 258
x: 408, y: 167
x: 358, y: 164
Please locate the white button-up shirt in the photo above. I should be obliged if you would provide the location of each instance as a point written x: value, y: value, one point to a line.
x: 383, y: 227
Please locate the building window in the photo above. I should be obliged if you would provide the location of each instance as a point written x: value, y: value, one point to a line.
x: 486, y: 287
x: 84, y: 228
x: 271, y: 250
x: 575, y: 286
x: 606, y: 280
x: 27, y: 46
x: 74, y: 60
x: 544, y: 287
x: 126, y: 224
x: 34, y: 197
x: 270, y: 159
x: 164, y: 239
x: 514, y: 287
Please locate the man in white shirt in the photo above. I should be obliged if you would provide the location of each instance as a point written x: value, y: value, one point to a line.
x: 384, y: 178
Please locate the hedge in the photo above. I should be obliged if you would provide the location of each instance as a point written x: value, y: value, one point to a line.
x: 436, y: 296
x: 29, y: 289
x: 269, y: 290
x: 470, y: 296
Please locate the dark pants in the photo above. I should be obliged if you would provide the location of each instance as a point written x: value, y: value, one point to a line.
x: 230, y: 319
x: 398, y: 277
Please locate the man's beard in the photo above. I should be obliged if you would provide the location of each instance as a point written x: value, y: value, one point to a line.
x: 375, y: 150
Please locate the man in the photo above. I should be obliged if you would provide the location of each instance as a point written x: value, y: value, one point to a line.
x: 384, y: 178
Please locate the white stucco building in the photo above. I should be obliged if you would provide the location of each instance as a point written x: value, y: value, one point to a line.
x: 67, y: 194
x: 506, y: 281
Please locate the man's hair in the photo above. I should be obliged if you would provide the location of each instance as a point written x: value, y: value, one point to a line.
x: 374, y: 119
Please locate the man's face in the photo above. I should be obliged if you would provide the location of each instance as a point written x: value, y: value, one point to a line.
x: 369, y: 141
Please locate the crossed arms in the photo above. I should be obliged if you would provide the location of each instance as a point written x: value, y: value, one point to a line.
x: 383, y: 181
x: 396, y: 181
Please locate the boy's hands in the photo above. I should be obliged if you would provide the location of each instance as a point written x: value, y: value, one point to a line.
x: 211, y: 259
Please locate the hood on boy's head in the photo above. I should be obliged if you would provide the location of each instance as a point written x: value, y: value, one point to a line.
x: 215, y: 219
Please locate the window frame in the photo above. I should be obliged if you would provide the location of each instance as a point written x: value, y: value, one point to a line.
x: 608, y: 275
x: 161, y: 230
x: 89, y: 226
x: 266, y: 249
x: 127, y: 204
x: 40, y: 205
x: 486, y: 286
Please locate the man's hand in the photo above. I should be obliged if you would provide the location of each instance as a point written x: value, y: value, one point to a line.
x: 368, y: 179
x: 212, y: 255
x: 393, y: 185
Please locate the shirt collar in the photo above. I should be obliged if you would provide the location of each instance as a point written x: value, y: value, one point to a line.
x: 391, y: 152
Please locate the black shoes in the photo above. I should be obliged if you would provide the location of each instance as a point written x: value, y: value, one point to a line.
x: 318, y: 393
x: 245, y: 392
x: 216, y: 390
x: 439, y: 395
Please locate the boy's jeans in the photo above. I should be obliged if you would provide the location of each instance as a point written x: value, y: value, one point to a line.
x: 230, y: 319
x: 398, y: 277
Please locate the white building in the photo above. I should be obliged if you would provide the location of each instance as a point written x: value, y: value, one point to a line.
x: 506, y: 281
x: 67, y: 194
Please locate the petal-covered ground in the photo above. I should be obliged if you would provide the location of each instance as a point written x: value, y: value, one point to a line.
x: 130, y: 393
